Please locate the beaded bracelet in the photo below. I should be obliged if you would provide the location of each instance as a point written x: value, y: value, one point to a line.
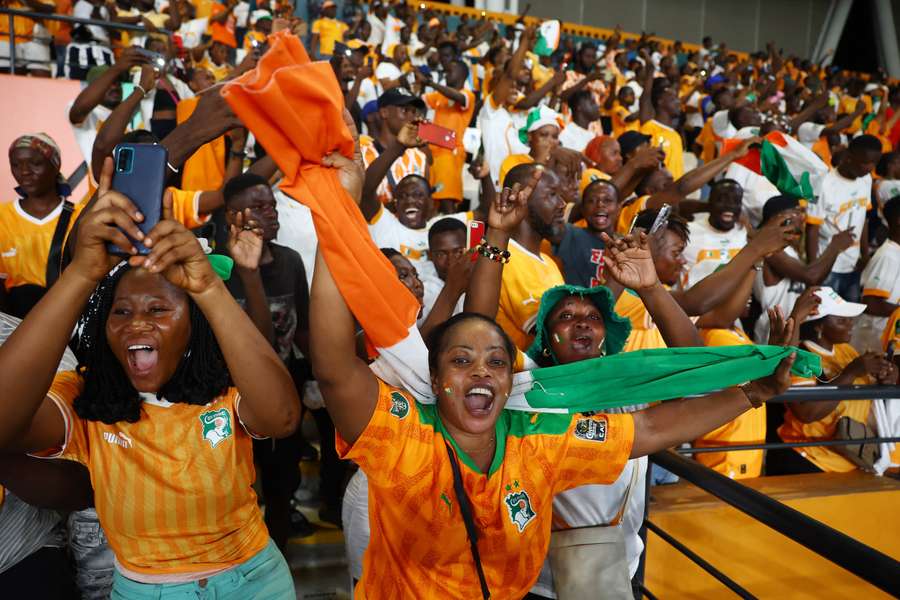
x: 493, y: 253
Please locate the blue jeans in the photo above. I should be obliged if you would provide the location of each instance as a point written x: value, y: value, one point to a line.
x: 845, y: 284
x: 265, y: 576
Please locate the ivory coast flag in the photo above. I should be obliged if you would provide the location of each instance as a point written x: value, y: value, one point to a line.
x: 548, y: 38
x: 293, y: 106
x: 789, y: 165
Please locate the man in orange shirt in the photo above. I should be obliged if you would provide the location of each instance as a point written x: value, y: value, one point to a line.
x: 453, y: 106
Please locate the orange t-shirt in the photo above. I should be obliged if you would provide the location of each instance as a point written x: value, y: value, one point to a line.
x: 173, y: 490
x: 419, y: 548
x: 447, y: 166
x: 748, y: 428
x: 205, y: 169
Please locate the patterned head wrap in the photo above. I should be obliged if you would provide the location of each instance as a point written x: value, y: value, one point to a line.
x: 41, y: 142
x: 45, y: 145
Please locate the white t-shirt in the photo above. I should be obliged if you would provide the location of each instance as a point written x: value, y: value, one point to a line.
x: 809, y: 133
x: 881, y: 279
x: 434, y: 285
x: 499, y: 136
x: 83, y: 10
x: 842, y: 205
x: 387, y: 70
x: 575, y: 137
x: 886, y: 189
x: 722, y: 126
x: 694, y: 119
x: 709, y: 248
x: 296, y: 230
x: 86, y: 132
x: 388, y: 232
x: 368, y: 90
x: 783, y: 294
x: 376, y: 37
x: 392, y: 28
x: 757, y: 190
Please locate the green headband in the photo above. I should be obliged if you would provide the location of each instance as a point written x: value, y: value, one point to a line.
x: 618, y: 328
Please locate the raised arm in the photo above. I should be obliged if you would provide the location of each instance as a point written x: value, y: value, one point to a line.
x: 845, y: 121
x: 533, y: 99
x: 113, y: 129
x: 710, y: 291
x: 646, y: 110
x: 808, y: 112
x: 93, y: 94
x: 378, y: 170
x: 458, y: 275
x: 507, y: 211
x: 349, y: 387
x: 245, y: 244
x: 629, y: 262
x: 780, y: 265
x: 671, y: 423
x: 695, y: 179
x: 29, y: 421
x: 457, y: 96
x: 508, y: 77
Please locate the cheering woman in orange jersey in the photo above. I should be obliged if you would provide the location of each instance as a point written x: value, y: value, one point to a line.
x: 174, y: 380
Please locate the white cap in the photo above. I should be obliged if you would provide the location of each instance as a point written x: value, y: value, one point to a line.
x: 833, y: 304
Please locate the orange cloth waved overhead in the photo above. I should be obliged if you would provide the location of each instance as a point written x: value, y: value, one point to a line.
x: 294, y: 107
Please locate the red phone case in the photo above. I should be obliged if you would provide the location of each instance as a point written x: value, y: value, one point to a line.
x: 437, y: 135
x: 474, y: 235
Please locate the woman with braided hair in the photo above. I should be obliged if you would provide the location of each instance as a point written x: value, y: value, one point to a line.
x: 173, y: 382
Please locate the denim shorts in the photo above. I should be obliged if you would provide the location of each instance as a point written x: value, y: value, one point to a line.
x: 265, y: 576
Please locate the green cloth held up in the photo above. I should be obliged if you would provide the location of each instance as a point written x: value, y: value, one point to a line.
x: 655, y: 375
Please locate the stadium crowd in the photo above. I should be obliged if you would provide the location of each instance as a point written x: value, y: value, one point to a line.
x: 579, y: 200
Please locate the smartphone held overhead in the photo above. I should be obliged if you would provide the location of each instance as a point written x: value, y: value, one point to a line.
x: 474, y: 235
x: 140, y: 174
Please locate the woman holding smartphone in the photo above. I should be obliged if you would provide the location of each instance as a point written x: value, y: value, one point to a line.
x: 174, y: 382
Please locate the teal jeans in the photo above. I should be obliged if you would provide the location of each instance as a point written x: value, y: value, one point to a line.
x: 264, y: 577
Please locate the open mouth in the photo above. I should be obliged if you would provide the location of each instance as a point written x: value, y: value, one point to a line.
x: 582, y: 343
x: 142, y: 359
x: 412, y: 213
x: 479, y: 401
x: 727, y: 217
x: 600, y: 220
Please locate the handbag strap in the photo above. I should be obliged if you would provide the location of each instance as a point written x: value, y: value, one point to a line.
x: 631, y: 485
x: 465, y: 510
x: 54, y: 258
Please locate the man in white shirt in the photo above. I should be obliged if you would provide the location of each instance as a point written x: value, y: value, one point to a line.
x: 376, y: 18
x: 446, y: 246
x: 845, y: 198
x: 585, y: 124
x: 715, y: 238
x: 880, y: 285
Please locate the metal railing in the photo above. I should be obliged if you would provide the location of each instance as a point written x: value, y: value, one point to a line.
x: 874, y: 567
x: 12, y: 13
x: 869, y: 564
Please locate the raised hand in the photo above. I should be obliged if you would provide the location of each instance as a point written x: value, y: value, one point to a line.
x: 807, y: 305
x: 176, y: 254
x: 104, y: 223
x: 350, y: 171
x: 774, y: 236
x: 781, y: 330
x: 460, y: 271
x: 628, y: 260
x: 777, y: 383
x: 408, y: 135
x: 844, y: 239
x: 245, y: 239
x: 510, y: 206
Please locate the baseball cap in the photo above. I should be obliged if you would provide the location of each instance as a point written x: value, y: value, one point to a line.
x: 589, y: 176
x: 399, y: 97
x: 630, y: 140
x: 833, y: 304
x: 327, y: 4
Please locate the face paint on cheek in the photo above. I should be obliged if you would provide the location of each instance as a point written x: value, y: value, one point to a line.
x: 556, y: 338
x: 448, y: 390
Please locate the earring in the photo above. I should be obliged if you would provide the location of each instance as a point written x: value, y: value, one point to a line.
x: 546, y: 352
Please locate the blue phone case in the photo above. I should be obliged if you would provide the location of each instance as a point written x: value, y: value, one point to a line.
x: 140, y: 174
